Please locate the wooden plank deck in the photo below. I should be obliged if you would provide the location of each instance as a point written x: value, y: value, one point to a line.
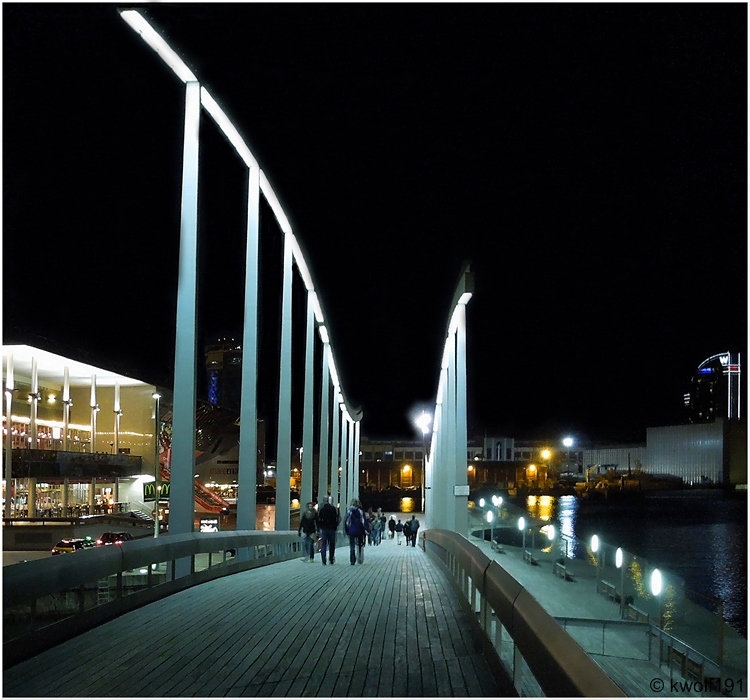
x: 392, y: 626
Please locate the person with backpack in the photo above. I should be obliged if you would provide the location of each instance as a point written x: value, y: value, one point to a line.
x: 399, y: 528
x: 407, y: 532
x: 328, y: 522
x: 356, y: 526
x: 309, y: 525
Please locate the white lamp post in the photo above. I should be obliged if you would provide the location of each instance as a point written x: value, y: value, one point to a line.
x: 489, y: 517
x: 656, y: 588
x: 522, y: 528
x: 595, y: 550
x: 619, y: 563
x: 568, y: 443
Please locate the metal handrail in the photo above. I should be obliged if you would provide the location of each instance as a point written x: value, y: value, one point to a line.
x: 558, y: 663
x: 26, y: 585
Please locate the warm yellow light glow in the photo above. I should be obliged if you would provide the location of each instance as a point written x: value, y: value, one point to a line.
x: 532, y: 467
x: 471, y: 468
x: 406, y: 468
x: 546, y: 454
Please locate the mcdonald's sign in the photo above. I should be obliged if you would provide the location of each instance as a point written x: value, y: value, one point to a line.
x: 149, y: 491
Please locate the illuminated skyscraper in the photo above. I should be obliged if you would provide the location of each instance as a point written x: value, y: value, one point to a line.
x: 224, y: 373
x: 715, y: 389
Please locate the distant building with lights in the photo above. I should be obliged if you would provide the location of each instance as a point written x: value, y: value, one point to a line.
x: 224, y: 373
x: 714, y: 390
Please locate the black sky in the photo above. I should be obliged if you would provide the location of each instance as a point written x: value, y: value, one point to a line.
x: 589, y: 160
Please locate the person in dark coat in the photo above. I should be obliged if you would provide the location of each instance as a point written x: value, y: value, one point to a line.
x: 356, y: 525
x: 413, y: 528
x: 309, y: 525
x: 328, y: 522
x: 392, y: 527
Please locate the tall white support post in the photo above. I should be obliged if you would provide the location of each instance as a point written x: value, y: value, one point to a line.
x: 67, y: 403
x: 182, y: 479
x: 353, y: 492
x: 451, y: 461
x: 94, y: 409
x: 460, y: 503
x: 441, y: 474
x: 335, y: 422
x: 284, y: 436
x: 34, y: 404
x: 248, y: 467
x: 307, y: 419
x: 9, y: 389
x: 323, y: 469
x: 357, y: 426
x: 345, y: 495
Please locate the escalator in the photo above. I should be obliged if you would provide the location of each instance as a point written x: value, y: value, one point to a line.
x: 204, y: 497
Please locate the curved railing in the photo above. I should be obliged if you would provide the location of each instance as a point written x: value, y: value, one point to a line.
x: 48, y: 601
x: 518, y: 633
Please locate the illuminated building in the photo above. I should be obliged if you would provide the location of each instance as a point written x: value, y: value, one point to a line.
x: 715, y: 389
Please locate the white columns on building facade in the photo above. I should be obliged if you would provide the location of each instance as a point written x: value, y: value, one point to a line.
x: 34, y: 395
x: 118, y: 415
x: 94, y: 410
x: 9, y: 389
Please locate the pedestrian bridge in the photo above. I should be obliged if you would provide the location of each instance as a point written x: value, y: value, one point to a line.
x: 253, y: 618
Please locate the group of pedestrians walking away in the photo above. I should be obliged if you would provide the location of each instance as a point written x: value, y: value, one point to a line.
x: 361, y: 528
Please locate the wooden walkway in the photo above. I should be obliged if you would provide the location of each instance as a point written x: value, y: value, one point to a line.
x: 391, y: 627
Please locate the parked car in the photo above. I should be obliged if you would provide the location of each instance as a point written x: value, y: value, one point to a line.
x: 114, y: 538
x: 74, y: 544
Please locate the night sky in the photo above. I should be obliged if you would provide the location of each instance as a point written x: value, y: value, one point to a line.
x: 589, y: 160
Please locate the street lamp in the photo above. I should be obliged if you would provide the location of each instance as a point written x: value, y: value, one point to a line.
x: 656, y: 588
x: 157, y: 471
x: 489, y: 517
x: 423, y: 423
x: 568, y: 443
x: 522, y: 528
x: 619, y: 563
x: 595, y: 550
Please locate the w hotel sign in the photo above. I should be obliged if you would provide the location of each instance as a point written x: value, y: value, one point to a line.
x: 150, y: 488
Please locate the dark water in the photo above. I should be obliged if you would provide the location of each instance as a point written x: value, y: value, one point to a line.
x: 700, y: 536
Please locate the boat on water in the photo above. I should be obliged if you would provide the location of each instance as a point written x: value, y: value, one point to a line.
x: 614, y: 485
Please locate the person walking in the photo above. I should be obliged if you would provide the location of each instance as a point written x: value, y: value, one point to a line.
x: 309, y: 525
x: 356, y: 526
x: 328, y: 522
x: 399, y: 528
x: 377, y: 529
x: 413, y: 529
x: 392, y: 527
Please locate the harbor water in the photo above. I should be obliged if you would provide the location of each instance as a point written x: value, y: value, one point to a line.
x: 697, y: 536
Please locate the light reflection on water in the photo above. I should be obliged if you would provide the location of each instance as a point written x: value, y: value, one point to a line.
x: 698, y: 536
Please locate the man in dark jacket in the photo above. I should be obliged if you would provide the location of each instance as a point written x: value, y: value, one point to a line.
x: 308, y: 525
x: 328, y: 522
x: 413, y: 528
x: 356, y: 527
